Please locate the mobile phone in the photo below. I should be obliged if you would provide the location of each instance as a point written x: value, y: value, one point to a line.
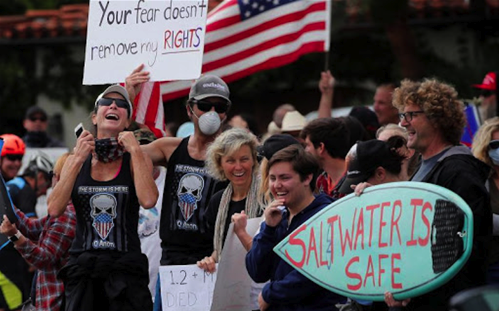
x: 78, y: 130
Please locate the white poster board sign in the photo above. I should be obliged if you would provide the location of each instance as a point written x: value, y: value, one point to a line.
x: 186, y: 288
x: 233, y: 286
x: 165, y: 35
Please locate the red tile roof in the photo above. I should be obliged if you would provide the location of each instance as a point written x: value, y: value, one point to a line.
x: 71, y: 20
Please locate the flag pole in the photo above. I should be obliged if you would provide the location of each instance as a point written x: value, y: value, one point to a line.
x: 326, y: 61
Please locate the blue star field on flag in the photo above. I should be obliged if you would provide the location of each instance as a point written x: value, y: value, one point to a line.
x: 251, y: 8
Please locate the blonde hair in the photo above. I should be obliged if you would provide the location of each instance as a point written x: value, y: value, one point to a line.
x: 60, y: 162
x: 226, y: 144
x: 480, y: 147
x: 264, y: 194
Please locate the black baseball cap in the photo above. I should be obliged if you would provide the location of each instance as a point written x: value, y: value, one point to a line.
x: 275, y: 143
x: 367, y: 157
x: 35, y: 110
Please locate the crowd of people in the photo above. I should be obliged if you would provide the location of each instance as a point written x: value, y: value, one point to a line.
x: 124, y: 202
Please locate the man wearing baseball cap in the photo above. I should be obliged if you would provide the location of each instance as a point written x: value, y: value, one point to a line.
x: 488, y: 96
x: 36, y: 122
x: 188, y: 187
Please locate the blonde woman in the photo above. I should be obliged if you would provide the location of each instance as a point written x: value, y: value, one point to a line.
x: 231, y: 157
x: 486, y: 148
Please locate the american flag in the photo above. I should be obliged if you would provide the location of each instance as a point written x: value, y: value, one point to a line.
x: 247, y: 36
x: 244, y: 37
x: 149, y: 108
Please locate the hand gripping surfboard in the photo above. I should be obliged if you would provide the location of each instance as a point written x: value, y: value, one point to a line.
x: 406, y: 237
x: 6, y: 206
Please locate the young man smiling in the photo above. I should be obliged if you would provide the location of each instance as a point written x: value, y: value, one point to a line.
x: 292, y: 173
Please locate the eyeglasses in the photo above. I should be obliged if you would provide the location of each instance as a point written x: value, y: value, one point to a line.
x: 409, y: 115
x: 42, y: 118
x: 121, y: 103
x: 486, y: 93
x: 494, y: 144
x: 14, y: 157
x: 206, y: 106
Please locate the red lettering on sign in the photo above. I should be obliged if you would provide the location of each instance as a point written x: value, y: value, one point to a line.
x: 331, y: 221
x: 348, y: 235
x: 381, y: 225
x: 425, y: 240
x: 395, y: 270
x: 353, y: 275
x: 371, y: 208
x: 369, y: 271
x: 394, y: 222
x: 415, y: 203
x: 380, y: 269
x: 297, y: 241
x: 323, y: 262
x: 360, y: 230
x: 312, y: 247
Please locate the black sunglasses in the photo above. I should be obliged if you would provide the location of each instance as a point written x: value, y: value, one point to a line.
x: 494, y: 144
x: 14, y: 157
x: 121, y: 103
x: 33, y: 119
x: 486, y: 93
x: 206, y: 106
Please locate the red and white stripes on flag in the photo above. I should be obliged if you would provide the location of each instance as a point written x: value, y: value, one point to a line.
x: 247, y: 36
x: 149, y: 108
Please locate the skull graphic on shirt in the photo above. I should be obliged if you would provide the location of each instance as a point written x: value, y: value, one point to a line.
x: 189, y: 192
x: 103, y: 213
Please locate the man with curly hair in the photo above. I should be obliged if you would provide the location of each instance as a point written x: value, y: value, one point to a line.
x: 434, y: 119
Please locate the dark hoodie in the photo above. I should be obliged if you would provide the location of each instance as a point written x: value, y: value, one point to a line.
x: 288, y: 289
x: 460, y: 172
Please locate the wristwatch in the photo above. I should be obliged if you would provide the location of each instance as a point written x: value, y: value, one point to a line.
x: 15, y: 237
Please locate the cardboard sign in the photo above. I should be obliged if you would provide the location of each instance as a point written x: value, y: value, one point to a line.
x: 165, y: 35
x: 406, y: 237
x: 186, y: 288
x: 233, y: 286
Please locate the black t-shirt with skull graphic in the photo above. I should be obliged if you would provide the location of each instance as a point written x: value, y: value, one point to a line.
x: 107, y: 212
x: 188, y: 190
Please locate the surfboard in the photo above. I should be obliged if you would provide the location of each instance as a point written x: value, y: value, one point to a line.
x: 6, y: 206
x: 405, y: 237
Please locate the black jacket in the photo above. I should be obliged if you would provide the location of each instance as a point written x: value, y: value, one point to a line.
x: 460, y: 172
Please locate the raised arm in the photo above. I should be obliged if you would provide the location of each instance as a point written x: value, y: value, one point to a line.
x: 134, y: 81
x: 161, y: 149
x: 141, y: 165
x: 59, y: 198
x: 326, y: 86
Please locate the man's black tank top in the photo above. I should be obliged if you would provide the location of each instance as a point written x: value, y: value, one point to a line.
x: 107, y: 212
x: 188, y: 190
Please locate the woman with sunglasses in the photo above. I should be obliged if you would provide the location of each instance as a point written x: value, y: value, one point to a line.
x: 486, y: 148
x: 107, y: 179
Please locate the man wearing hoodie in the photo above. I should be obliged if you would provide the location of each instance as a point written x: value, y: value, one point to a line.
x: 434, y: 119
x: 292, y: 173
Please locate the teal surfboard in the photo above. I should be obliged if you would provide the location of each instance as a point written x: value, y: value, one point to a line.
x: 406, y: 237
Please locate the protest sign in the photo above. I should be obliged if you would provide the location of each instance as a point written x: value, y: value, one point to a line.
x: 406, y: 237
x: 186, y: 288
x: 165, y: 35
x: 233, y: 286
